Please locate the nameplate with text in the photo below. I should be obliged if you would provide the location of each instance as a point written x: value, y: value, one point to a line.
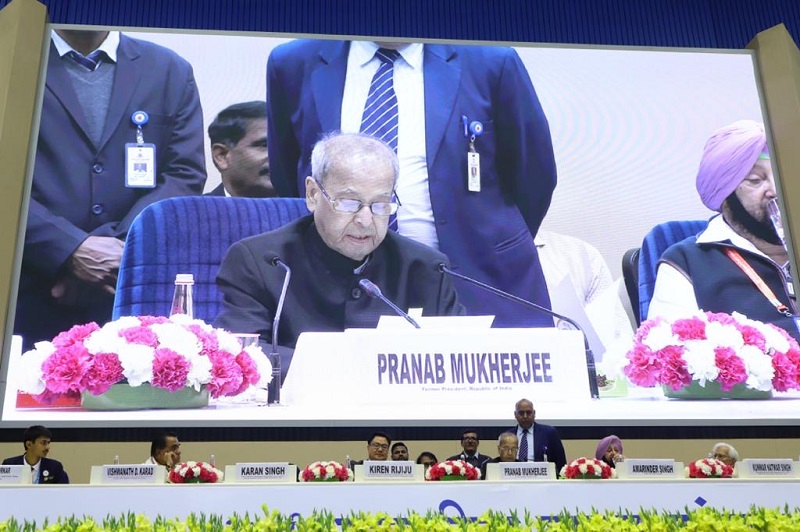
x: 524, y: 471
x: 420, y: 367
x: 265, y: 472
x: 15, y: 474
x: 649, y: 468
x: 131, y: 474
x: 389, y: 470
x: 767, y: 467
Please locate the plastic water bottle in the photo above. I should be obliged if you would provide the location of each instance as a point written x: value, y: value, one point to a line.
x: 213, y: 461
x: 116, y: 459
x: 347, y: 462
x: 182, y: 299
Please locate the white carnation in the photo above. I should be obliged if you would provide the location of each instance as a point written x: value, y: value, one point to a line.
x: 660, y: 337
x: 137, y: 363
x: 700, y: 361
x: 29, y: 376
x: 105, y: 340
x: 177, y: 338
x: 228, y: 342
x: 263, y: 365
x: 722, y: 335
x: 759, y: 368
x: 199, y: 371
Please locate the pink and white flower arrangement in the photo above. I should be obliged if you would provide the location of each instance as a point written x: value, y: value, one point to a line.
x: 709, y: 468
x: 322, y: 471
x: 729, y: 349
x: 195, y: 473
x: 168, y: 353
x: 452, y: 468
x: 587, y: 468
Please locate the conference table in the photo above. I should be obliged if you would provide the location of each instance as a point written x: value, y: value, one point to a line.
x: 470, y: 499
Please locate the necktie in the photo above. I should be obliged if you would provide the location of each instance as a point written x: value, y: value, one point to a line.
x: 34, y: 476
x: 523, y: 446
x: 89, y: 62
x: 380, y: 111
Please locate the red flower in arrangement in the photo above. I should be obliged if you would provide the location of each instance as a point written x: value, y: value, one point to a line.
x: 709, y: 468
x: 168, y: 353
x: 326, y: 471
x: 729, y: 349
x: 452, y: 470
x: 586, y: 468
x: 195, y: 473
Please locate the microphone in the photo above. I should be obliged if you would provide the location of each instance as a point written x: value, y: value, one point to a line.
x: 590, y: 365
x: 373, y: 291
x: 274, y: 389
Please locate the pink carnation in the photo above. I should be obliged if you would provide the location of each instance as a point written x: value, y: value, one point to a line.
x: 721, y: 317
x: 152, y: 320
x: 732, y: 370
x: 63, y: 370
x: 644, y: 367
x: 140, y: 335
x: 226, y: 375
x: 208, y: 340
x: 48, y: 398
x: 169, y: 370
x: 785, y: 373
x: 753, y: 336
x: 250, y: 375
x: 105, y: 371
x: 689, y: 329
x: 674, y: 372
x: 76, y: 335
x: 644, y: 328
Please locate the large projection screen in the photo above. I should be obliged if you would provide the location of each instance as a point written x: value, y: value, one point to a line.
x: 628, y: 127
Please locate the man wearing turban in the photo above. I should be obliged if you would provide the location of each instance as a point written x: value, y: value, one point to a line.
x: 739, y: 262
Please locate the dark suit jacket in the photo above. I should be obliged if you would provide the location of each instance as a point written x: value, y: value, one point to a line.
x: 478, y: 460
x: 488, y: 234
x: 324, y: 294
x: 545, y: 437
x: 55, y: 473
x: 79, y: 188
x: 218, y: 191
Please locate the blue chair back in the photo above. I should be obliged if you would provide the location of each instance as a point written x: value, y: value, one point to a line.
x: 655, y: 243
x: 190, y: 234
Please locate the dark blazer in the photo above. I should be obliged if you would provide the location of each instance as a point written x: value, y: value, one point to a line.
x: 546, y: 437
x: 79, y: 189
x: 50, y: 471
x: 488, y: 234
x: 478, y: 460
x: 324, y: 294
x: 218, y: 191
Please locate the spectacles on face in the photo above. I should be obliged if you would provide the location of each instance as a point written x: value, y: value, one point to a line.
x: 522, y: 413
x: 379, y: 446
x: 351, y: 206
x: 508, y: 449
x: 469, y: 438
x: 719, y: 456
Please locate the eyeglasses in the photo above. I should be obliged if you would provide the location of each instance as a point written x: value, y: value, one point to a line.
x: 719, y: 456
x: 508, y: 449
x: 351, y: 206
x: 469, y: 438
x: 524, y: 412
x: 379, y: 446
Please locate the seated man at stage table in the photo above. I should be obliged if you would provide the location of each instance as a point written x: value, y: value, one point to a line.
x: 507, y: 448
x: 377, y: 448
x: 537, y: 442
x: 345, y: 240
x: 470, y: 454
x: 36, y: 441
x: 399, y: 451
x: 725, y: 453
x: 739, y: 262
x: 165, y: 450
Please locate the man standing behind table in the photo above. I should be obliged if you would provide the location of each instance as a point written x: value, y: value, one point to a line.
x: 121, y: 128
x: 537, y: 442
x: 739, y: 262
x: 346, y: 239
x: 37, y: 446
x: 477, y: 169
x: 238, y: 138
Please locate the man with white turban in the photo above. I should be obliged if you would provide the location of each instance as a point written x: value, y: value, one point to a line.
x: 738, y: 263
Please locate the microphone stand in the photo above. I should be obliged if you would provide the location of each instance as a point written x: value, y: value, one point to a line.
x: 373, y: 291
x: 590, y: 364
x: 274, y: 389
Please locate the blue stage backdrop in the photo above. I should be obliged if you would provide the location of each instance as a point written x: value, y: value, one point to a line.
x: 685, y: 23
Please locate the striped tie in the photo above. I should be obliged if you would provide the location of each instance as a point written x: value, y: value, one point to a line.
x: 89, y: 62
x: 523, y: 446
x: 380, y: 112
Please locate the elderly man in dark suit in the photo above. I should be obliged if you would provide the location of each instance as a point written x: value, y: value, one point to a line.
x: 477, y: 169
x: 537, y: 442
x: 37, y: 445
x: 121, y: 128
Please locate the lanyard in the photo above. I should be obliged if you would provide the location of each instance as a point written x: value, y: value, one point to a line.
x: 743, y: 265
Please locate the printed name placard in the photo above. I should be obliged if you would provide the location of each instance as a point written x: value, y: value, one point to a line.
x: 649, y: 468
x: 509, y: 471
x: 261, y: 472
x: 419, y: 367
x: 387, y: 470
x: 767, y: 467
x: 132, y: 474
x: 15, y: 474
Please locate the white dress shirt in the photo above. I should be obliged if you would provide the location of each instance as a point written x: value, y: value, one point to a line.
x: 415, y: 217
x: 529, y: 435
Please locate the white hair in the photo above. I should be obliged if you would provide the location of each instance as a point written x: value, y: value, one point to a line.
x: 337, y: 147
x: 732, y: 452
x: 506, y: 436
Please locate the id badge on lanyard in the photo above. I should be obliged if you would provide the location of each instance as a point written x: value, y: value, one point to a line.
x: 140, y: 157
